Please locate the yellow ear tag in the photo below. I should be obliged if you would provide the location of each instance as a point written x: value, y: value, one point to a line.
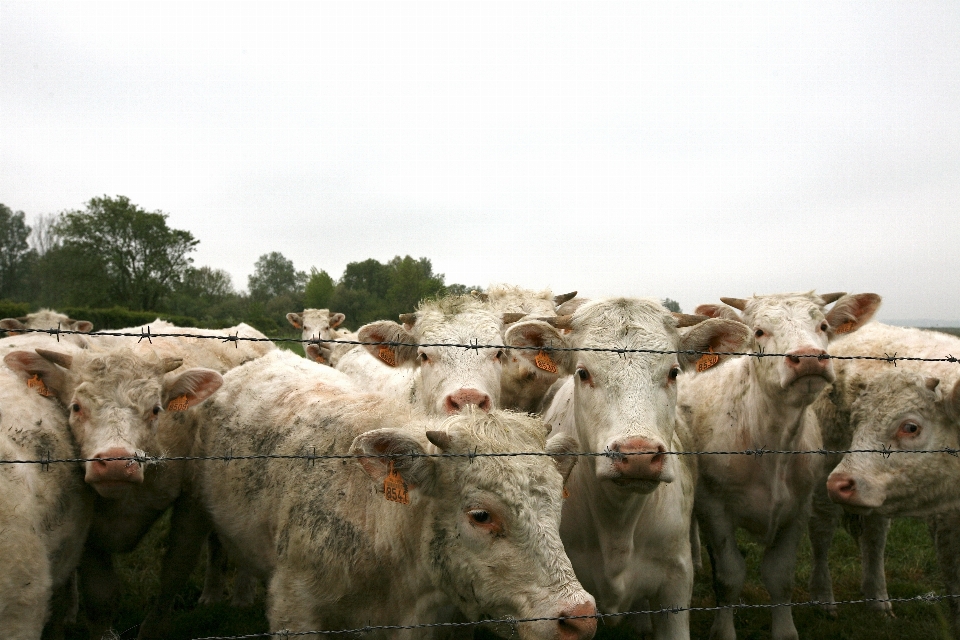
x: 707, y: 360
x: 386, y: 354
x: 566, y: 494
x: 543, y: 361
x: 178, y: 404
x: 36, y: 383
x: 846, y: 327
x: 321, y: 360
x: 394, y: 488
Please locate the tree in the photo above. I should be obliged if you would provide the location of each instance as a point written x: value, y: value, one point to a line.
x: 671, y: 305
x: 15, y: 252
x: 274, y: 275
x: 319, y: 290
x: 142, y: 258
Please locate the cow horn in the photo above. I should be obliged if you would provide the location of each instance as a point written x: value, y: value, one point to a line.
x: 23, y: 318
x: 510, y: 318
x: 560, y: 322
x: 169, y: 364
x: 832, y: 297
x: 441, y: 439
x: 563, y: 297
x: 736, y: 303
x: 479, y: 295
x: 688, y: 320
x: 931, y: 383
x: 408, y: 318
x: 56, y: 357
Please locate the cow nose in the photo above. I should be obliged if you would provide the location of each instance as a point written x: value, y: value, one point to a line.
x: 102, y: 469
x: 841, y: 487
x: 575, y: 626
x: 643, y: 460
x: 807, y: 361
x: 455, y: 402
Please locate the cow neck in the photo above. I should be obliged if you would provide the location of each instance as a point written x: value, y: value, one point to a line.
x: 767, y: 416
x: 617, y: 510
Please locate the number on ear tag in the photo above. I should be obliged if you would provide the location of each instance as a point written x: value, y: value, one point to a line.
x: 386, y: 354
x: 394, y: 488
x: 178, y: 404
x: 846, y: 327
x: 37, y: 383
x: 543, y: 361
x: 707, y: 360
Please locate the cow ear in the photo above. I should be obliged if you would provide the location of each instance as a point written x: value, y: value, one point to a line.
x: 336, y: 319
x: 713, y: 335
x: 562, y: 448
x: 12, y: 324
x: 536, y: 334
x: 191, y: 387
x: 388, y: 331
x: 318, y: 353
x: 852, y: 312
x: 40, y: 373
x: 295, y: 319
x: 416, y: 471
x: 952, y: 401
x: 718, y: 311
x: 83, y: 326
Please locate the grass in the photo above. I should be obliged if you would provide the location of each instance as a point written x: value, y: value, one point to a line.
x: 911, y: 570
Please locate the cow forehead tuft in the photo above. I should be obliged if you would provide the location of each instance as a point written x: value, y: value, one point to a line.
x: 496, y: 431
x: 776, y: 306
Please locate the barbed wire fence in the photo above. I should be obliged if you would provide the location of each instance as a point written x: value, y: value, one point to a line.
x: 311, y: 457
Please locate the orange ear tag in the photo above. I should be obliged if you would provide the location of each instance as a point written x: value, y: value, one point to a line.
x: 394, y: 488
x: 36, y: 383
x: 386, y: 354
x: 543, y: 361
x: 846, y: 327
x: 321, y: 360
x: 566, y: 494
x: 707, y: 360
x: 178, y: 404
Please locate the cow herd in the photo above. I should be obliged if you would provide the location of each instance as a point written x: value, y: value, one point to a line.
x: 408, y: 514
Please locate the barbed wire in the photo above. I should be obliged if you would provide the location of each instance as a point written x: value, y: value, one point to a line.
x: 929, y: 598
x: 615, y: 455
x: 476, y: 346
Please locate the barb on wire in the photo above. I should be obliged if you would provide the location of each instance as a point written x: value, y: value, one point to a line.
x: 475, y: 346
x: 928, y: 598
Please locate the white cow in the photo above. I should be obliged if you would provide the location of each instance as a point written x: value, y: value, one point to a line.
x: 321, y: 324
x: 909, y: 406
x: 755, y: 403
x: 627, y: 519
x: 476, y: 536
x: 44, y: 510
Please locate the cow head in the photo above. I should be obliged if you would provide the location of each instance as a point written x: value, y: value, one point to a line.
x: 118, y: 402
x: 901, y: 411
x: 797, y: 326
x: 490, y: 518
x: 624, y: 404
x: 317, y: 324
x: 451, y: 378
x: 44, y: 319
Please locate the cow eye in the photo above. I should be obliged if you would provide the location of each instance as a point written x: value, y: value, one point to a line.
x: 424, y: 358
x: 824, y: 326
x: 908, y: 430
x: 499, y: 355
x: 156, y: 410
x: 674, y: 372
x: 583, y: 374
x: 758, y: 333
x: 75, y: 407
x: 480, y: 516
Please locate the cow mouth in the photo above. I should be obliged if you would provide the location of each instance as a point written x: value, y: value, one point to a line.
x: 636, y: 485
x: 114, y: 488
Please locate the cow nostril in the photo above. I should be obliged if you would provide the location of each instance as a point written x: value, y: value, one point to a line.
x: 794, y: 359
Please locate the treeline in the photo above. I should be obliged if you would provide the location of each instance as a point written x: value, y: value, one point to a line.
x: 117, y: 265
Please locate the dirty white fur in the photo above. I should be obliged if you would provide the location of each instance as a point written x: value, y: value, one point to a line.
x: 628, y: 541
x: 45, y: 319
x: 336, y: 554
x: 749, y: 403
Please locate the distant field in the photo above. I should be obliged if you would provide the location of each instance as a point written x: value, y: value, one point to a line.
x: 954, y: 331
x: 911, y: 571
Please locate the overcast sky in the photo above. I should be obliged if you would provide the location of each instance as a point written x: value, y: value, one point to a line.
x: 689, y: 150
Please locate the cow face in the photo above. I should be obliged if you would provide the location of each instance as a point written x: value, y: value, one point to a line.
x: 317, y: 324
x: 117, y: 402
x: 493, y: 522
x: 624, y: 404
x: 797, y: 326
x: 451, y: 378
x: 900, y: 411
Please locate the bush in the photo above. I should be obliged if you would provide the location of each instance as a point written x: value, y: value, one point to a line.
x: 119, y: 318
x: 10, y: 309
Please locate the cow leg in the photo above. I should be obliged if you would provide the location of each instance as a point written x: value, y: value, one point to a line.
x: 290, y: 606
x: 25, y: 581
x: 873, y: 541
x: 676, y: 591
x: 823, y: 524
x: 63, y: 609
x: 244, y: 588
x: 189, y: 527
x: 215, y: 576
x: 729, y: 569
x: 776, y: 572
x: 945, y: 530
x: 99, y: 584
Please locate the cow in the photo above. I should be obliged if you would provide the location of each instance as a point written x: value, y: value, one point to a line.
x: 321, y: 324
x: 44, y: 319
x: 627, y: 518
x: 45, y: 510
x: 909, y: 406
x: 469, y: 536
x: 757, y: 403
